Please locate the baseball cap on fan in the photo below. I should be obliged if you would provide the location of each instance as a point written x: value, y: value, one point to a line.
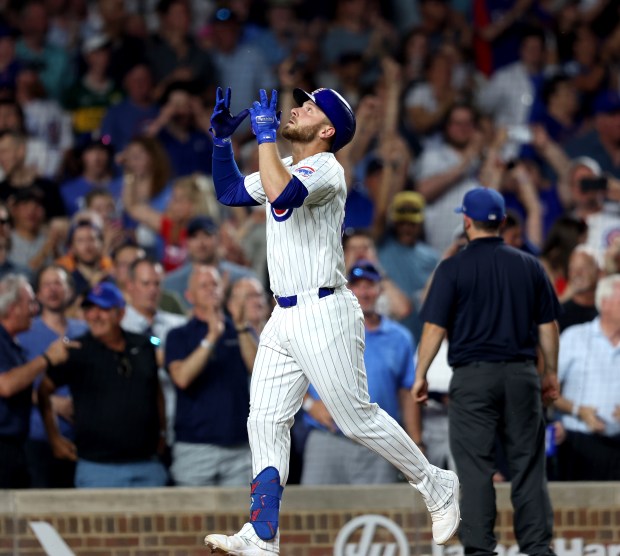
x: 96, y: 42
x: 607, y: 102
x: 104, y: 295
x: 364, y: 270
x: 201, y: 224
x: 336, y: 108
x: 589, y: 163
x: 407, y: 206
x: 483, y: 205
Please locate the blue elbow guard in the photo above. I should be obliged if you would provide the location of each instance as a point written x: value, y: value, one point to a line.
x: 293, y: 196
x: 265, y: 506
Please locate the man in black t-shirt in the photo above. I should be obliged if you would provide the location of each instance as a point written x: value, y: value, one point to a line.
x: 119, y: 409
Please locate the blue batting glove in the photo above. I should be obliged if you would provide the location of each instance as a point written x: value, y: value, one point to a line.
x: 223, y: 123
x: 265, y: 120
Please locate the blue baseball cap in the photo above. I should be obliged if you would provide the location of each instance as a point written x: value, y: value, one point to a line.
x: 607, y: 102
x: 201, y: 224
x: 105, y: 295
x: 364, y: 270
x: 336, y: 108
x: 483, y: 205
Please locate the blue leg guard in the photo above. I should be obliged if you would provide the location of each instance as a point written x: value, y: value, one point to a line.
x: 265, y: 506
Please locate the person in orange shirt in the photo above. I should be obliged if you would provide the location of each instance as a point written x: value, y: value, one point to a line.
x: 86, y: 259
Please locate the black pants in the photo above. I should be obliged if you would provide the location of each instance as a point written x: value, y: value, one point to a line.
x: 589, y: 457
x: 13, y: 468
x: 45, y: 470
x: 504, y: 400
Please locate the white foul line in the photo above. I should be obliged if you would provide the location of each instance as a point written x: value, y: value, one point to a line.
x: 50, y: 540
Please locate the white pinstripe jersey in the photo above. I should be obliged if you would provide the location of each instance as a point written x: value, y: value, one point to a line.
x: 304, y: 247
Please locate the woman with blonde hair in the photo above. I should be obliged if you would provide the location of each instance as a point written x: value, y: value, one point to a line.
x: 188, y: 199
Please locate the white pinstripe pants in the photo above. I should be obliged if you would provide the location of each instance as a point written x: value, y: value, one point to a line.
x: 322, y: 341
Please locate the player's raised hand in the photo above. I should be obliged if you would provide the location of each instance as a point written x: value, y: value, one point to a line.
x: 265, y: 119
x: 223, y: 123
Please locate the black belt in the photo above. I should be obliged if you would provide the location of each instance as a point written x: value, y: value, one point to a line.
x: 502, y: 362
x: 13, y: 440
x: 287, y: 301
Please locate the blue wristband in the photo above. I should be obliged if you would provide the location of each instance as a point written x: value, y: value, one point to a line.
x: 266, y: 136
x: 220, y: 141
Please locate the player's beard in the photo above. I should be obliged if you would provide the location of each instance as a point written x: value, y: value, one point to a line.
x: 301, y: 134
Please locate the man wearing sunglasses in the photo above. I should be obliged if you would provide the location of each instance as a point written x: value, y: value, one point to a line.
x: 119, y: 409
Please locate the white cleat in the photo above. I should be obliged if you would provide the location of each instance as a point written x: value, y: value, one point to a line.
x: 446, y: 520
x: 239, y: 544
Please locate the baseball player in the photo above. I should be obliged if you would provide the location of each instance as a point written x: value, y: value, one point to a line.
x: 316, y: 332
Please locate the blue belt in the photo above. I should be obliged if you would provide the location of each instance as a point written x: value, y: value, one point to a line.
x: 291, y: 300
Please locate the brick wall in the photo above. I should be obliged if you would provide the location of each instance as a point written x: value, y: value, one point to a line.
x: 173, y: 522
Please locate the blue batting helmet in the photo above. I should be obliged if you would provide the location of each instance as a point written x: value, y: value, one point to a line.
x: 336, y: 109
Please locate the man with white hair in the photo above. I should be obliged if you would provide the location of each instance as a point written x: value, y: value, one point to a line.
x: 590, y: 391
x: 17, y: 307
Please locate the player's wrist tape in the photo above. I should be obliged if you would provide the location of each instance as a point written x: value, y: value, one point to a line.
x: 265, y: 506
x: 219, y: 141
x: 575, y: 411
x: 266, y: 136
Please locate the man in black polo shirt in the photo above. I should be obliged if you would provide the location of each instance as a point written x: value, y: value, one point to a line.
x: 495, y: 304
x: 119, y: 409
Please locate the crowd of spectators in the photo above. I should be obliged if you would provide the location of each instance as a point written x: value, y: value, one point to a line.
x: 108, y: 213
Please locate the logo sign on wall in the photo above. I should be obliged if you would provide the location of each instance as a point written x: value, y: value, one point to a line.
x: 368, y: 524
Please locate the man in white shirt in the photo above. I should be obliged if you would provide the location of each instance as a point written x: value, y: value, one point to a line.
x: 590, y: 391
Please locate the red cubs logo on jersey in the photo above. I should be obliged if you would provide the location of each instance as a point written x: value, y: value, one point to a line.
x: 280, y: 215
x: 304, y: 171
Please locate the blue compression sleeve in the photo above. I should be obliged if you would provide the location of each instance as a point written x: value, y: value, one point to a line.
x: 293, y: 196
x: 227, y: 179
